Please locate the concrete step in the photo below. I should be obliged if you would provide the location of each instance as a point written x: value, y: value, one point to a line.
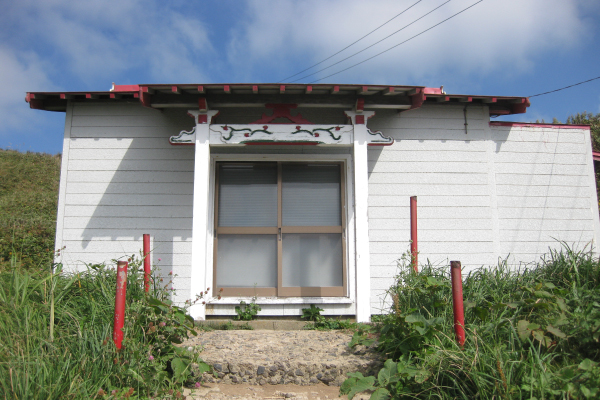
x: 298, y: 357
x: 267, y: 324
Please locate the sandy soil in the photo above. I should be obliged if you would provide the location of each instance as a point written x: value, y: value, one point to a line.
x: 215, y: 391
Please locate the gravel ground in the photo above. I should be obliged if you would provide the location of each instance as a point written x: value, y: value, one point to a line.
x: 264, y: 364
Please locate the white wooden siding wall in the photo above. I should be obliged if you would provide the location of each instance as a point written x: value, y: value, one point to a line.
x: 449, y: 171
x: 546, y: 190
x: 124, y: 179
x: 483, y: 195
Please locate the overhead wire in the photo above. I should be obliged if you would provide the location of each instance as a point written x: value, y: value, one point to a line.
x: 353, y: 43
x: 566, y: 87
x: 393, y: 47
x: 377, y: 42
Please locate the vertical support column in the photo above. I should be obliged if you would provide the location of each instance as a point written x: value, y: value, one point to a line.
x: 361, y: 219
x: 147, y: 270
x: 200, y: 225
x: 414, y: 244
x: 120, y: 303
x: 457, y: 302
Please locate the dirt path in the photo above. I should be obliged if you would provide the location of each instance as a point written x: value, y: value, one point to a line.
x: 320, y: 391
x: 266, y: 364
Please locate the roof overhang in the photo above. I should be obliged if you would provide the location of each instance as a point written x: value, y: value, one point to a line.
x: 257, y: 95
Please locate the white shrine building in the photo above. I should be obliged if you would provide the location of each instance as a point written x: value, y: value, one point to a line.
x: 299, y: 194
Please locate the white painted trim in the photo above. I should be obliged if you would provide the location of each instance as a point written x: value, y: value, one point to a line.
x: 361, y: 207
x: 490, y: 149
x: 64, y: 172
x: 200, y: 214
x: 283, y: 300
x: 594, y: 193
x: 231, y: 134
x: 350, y: 235
x: 210, y: 233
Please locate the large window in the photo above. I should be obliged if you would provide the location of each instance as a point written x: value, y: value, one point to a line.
x: 280, y: 229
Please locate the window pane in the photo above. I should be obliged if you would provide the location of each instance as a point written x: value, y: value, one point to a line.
x: 248, y: 195
x: 312, y: 260
x: 247, y: 261
x: 311, y: 195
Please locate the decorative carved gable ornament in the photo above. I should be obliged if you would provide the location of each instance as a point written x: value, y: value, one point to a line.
x: 298, y: 131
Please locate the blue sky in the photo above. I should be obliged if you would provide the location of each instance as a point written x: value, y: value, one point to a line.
x: 498, y: 47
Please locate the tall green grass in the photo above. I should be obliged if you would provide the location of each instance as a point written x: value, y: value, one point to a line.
x: 28, y: 203
x: 80, y: 361
x: 532, y: 333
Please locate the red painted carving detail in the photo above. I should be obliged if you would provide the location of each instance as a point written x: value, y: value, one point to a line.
x: 202, y: 119
x: 417, y: 99
x: 360, y: 120
x: 145, y: 97
x: 36, y: 104
x: 202, y: 104
x: 360, y: 104
x: 281, y: 111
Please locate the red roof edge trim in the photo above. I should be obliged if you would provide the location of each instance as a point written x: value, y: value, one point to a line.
x: 596, y: 155
x: 34, y: 103
x: 538, y: 125
x: 430, y: 90
x: 125, y: 88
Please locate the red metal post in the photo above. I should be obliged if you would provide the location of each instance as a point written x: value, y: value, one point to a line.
x: 146, y: 262
x: 414, y: 246
x: 457, y: 302
x: 120, y: 303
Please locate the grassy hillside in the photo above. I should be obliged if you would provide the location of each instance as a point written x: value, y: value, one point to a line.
x: 28, y: 203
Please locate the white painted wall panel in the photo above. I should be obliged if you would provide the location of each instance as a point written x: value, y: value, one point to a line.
x: 546, y: 190
x: 433, y: 159
x: 126, y: 180
x: 428, y: 224
x: 481, y: 195
x: 123, y: 233
x: 440, y: 200
x: 117, y: 200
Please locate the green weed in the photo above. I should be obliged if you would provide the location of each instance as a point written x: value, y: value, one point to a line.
x: 532, y: 333
x: 80, y: 360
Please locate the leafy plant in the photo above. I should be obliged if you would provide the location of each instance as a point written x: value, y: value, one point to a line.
x: 322, y: 323
x: 247, y: 311
x: 363, y: 336
x: 80, y: 360
x: 312, y: 313
x: 532, y: 332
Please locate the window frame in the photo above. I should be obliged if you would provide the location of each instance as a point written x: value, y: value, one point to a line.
x: 280, y: 291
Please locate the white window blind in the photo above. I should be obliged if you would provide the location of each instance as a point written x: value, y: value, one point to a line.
x: 248, y: 195
x: 311, y: 195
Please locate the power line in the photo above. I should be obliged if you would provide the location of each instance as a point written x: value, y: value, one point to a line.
x: 351, y: 44
x: 385, y: 51
x: 566, y: 87
x: 368, y: 47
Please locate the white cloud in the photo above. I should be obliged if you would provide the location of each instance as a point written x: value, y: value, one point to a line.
x: 495, y: 36
x: 100, y: 40
x: 20, y: 73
